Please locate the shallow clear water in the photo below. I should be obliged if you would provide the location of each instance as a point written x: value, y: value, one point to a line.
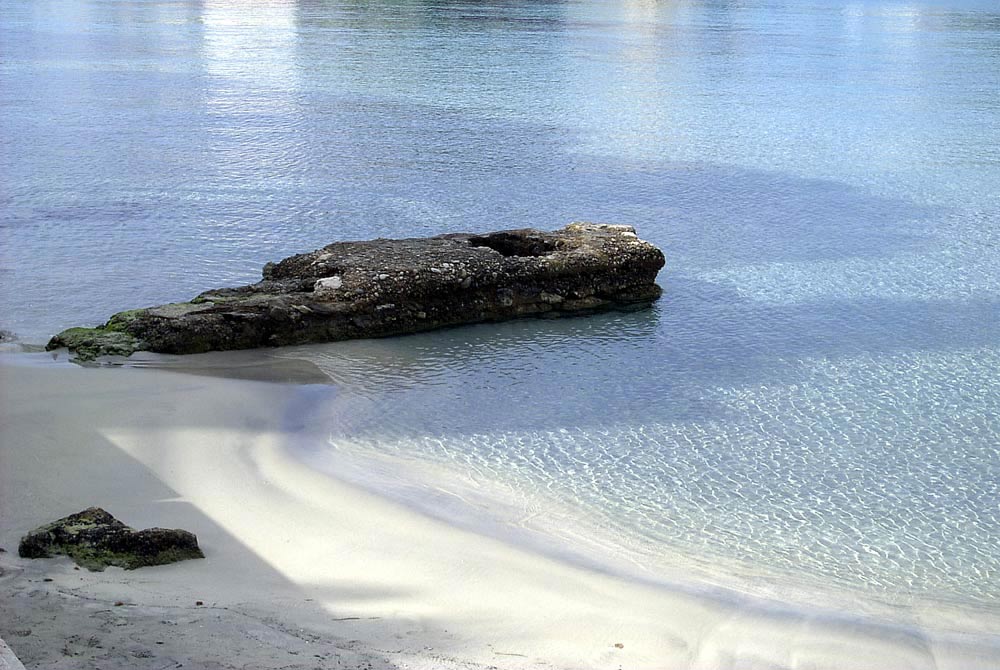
x: 819, y: 389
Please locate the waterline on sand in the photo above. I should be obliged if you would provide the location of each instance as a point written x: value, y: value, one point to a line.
x: 221, y: 457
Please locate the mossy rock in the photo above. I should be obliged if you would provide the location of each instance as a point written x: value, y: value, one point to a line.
x: 174, y: 310
x: 94, y: 539
x: 379, y: 288
x: 89, y: 343
x: 120, y: 321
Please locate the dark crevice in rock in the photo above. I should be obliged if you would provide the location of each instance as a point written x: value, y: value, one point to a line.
x: 515, y: 243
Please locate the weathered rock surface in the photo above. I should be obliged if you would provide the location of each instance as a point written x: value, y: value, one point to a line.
x: 94, y: 540
x: 350, y: 290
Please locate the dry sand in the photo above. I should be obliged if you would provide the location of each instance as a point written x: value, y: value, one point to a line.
x: 306, y: 571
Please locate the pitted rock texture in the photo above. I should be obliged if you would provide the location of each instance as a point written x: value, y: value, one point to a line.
x: 94, y: 539
x: 350, y: 290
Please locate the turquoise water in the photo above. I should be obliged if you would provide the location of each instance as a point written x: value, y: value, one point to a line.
x: 818, y: 392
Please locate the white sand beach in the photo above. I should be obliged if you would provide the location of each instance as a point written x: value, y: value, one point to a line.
x: 305, y: 571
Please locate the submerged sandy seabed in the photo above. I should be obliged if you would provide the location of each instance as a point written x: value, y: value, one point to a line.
x: 304, y: 570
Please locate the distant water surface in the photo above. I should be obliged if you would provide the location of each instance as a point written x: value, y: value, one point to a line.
x: 818, y: 391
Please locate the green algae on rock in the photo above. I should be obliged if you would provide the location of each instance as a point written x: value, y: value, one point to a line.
x: 94, y: 539
x: 89, y: 343
x: 349, y: 290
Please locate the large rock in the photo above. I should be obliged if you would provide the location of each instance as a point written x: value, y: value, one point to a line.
x: 94, y: 539
x: 386, y: 287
